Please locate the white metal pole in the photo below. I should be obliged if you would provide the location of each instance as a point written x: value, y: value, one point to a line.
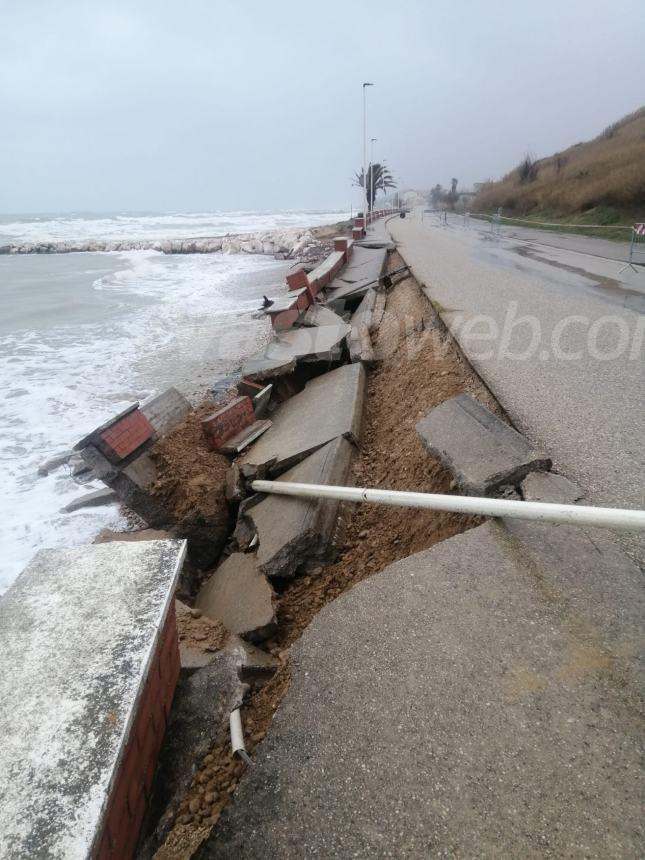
x: 365, y: 198
x: 577, y: 515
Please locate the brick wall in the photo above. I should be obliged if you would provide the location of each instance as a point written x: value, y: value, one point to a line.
x: 122, y: 438
x: 132, y: 784
x: 297, y: 280
x: 227, y: 422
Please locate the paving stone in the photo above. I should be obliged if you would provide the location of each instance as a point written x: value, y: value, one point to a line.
x: 330, y: 405
x: 292, y: 530
x: 483, y: 453
x: 549, y: 487
x: 239, y: 596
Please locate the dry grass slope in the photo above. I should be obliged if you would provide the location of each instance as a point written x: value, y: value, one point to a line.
x: 606, y: 174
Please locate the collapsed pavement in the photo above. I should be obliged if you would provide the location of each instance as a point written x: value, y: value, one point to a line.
x: 299, y: 441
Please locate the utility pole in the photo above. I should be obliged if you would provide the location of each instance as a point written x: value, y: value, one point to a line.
x: 366, y: 202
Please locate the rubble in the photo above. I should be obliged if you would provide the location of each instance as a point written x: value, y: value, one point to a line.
x: 292, y: 530
x: 329, y: 406
x: 239, y: 596
x: 549, y: 487
x: 95, y: 499
x: 199, y: 716
x: 482, y: 452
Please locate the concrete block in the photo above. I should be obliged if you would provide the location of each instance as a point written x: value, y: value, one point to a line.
x: 292, y: 530
x: 239, y: 596
x: 166, y: 410
x: 482, y: 452
x: 105, y: 496
x: 549, y: 487
x: 330, y: 405
x: 87, y: 634
x: 132, y: 485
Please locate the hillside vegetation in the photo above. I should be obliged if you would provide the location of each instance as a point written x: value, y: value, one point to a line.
x: 603, y: 178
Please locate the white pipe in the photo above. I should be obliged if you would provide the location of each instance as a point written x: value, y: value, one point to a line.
x: 237, y: 736
x: 577, y: 515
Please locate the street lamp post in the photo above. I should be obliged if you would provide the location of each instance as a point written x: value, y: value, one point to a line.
x: 366, y: 201
x: 371, y: 185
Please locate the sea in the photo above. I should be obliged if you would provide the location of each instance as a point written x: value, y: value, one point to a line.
x: 83, y: 335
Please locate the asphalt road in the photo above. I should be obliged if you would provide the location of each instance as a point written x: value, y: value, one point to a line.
x: 557, y: 334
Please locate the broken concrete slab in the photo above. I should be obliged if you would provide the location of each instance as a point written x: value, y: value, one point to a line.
x: 319, y: 315
x: 95, y: 499
x: 363, y: 313
x: 378, y: 311
x: 363, y: 271
x: 199, y: 717
x: 360, y: 346
x: 253, y: 664
x: 239, y: 596
x: 108, y: 536
x: 330, y: 405
x: 315, y: 343
x: 56, y: 461
x: 166, y: 410
x: 501, y: 715
x: 549, y: 487
x: 234, y: 488
x: 292, y: 530
x: 261, y: 401
x: 483, y: 453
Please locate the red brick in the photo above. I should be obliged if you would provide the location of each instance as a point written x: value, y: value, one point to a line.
x: 297, y: 280
x: 246, y: 388
x: 123, y: 438
x: 227, y: 422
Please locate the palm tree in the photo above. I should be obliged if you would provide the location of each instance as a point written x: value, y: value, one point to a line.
x: 378, y: 178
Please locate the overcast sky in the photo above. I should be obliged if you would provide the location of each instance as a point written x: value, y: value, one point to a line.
x: 211, y: 104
